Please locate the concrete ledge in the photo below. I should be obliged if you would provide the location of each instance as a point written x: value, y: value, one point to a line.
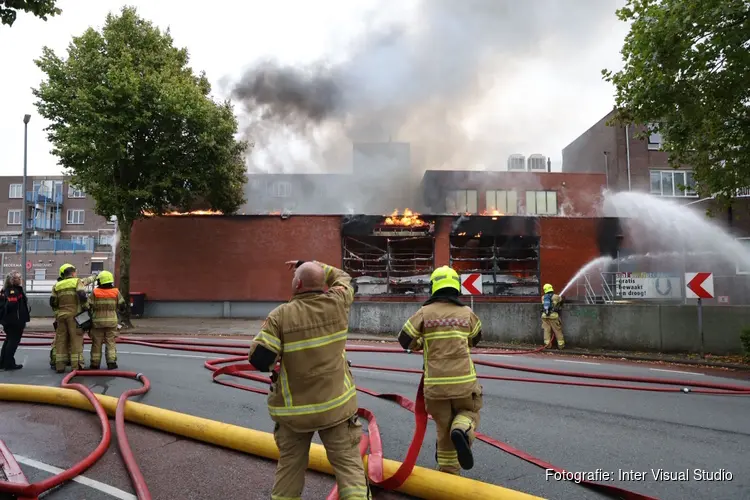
x: 633, y: 327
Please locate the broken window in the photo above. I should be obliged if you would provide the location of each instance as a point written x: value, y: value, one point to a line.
x: 391, y: 256
x: 509, y: 265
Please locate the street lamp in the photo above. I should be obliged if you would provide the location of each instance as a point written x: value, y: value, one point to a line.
x: 26, y: 119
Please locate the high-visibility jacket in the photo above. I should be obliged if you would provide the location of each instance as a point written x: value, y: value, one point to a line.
x: 551, y: 304
x: 445, y: 330
x: 104, y: 305
x: 314, y: 388
x: 68, y: 297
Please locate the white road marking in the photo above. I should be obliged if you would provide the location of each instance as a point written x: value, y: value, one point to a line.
x: 168, y: 355
x: 674, y: 371
x: 578, y: 362
x: 91, y: 483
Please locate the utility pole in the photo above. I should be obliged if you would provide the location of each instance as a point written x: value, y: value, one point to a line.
x: 24, y: 271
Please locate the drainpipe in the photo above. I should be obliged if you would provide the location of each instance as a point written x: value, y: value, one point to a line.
x: 606, y: 168
x: 627, y: 153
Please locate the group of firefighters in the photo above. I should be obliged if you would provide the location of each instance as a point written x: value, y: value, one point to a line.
x: 303, y: 344
x: 69, y: 301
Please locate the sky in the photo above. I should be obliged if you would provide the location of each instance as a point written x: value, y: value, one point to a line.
x: 537, y: 86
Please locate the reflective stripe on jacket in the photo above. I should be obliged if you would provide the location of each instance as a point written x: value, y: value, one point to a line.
x: 314, y: 388
x: 446, y: 331
x: 66, y: 294
x: 104, y: 304
x: 554, y: 305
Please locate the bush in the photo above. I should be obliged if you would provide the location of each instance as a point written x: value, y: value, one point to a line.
x: 745, y: 339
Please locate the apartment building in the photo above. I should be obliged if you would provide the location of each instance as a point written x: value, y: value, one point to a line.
x: 61, y: 226
x: 628, y: 161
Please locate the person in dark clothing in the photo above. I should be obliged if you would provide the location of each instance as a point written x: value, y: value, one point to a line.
x: 14, y: 314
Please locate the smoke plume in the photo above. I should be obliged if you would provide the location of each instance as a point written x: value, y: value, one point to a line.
x: 416, y: 81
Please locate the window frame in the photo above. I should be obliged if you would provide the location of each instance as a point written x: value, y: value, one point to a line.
x: 68, y: 217
x: 738, y: 271
x: 535, y: 196
x: 676, y: 191
x: 20, y: 216
x: 455, y: 194
x: 10, y: 191
x: 493, y: 193
x: 75, y: 193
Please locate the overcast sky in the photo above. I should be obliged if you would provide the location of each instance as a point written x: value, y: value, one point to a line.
x: 556, y: 95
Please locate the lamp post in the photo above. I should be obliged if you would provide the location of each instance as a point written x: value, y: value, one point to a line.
x: 26, y: 119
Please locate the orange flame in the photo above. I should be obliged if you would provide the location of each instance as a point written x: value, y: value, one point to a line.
x: 409, y: 219
x: 192, y: 212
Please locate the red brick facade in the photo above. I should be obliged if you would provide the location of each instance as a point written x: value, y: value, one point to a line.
x: 242, y: 258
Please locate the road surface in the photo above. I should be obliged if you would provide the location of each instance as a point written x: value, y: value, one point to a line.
x: 577, y: 428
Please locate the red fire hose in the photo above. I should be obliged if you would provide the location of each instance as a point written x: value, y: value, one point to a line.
x: 371, y: 440
x: 32, y: 491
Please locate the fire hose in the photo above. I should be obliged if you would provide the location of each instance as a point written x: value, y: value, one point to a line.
x: 371, y: 440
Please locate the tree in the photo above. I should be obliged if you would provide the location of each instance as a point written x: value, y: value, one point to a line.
x: 687, y: 76
x: 136, y: 129
x: 40, y: 8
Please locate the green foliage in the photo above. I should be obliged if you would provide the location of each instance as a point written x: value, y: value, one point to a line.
x: 745, y: 339
x: 40, y: 8
x: 136, y: 128
x: 687, y: 74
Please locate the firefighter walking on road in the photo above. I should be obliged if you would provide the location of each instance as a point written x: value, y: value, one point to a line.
x: 68, y: 299
x: 105, y: 302
x: 53, y: 351
x: 551, y: 324
x: 313, y: 388
x: 446, y: 329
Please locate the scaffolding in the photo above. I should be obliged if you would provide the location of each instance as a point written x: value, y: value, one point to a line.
x: 509, y: 265
x: 390, y: 265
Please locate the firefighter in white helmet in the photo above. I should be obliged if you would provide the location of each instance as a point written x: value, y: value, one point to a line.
x: 551, y: 324
x: 313, y: 390
x: 446, y: 329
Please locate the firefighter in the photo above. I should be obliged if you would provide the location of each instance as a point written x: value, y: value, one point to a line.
x: 105, y: 301
x: 446, y: 329
x: 86, y: 282
x: 68, y: 299
x: 552, y: 303
x: 308, y: 336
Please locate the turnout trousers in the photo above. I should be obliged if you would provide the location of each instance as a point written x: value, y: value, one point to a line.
x: 449, y: 415
x: 550, y: 326
x: 108, y: 337
x: 68, y: 344
x: 342, y: 448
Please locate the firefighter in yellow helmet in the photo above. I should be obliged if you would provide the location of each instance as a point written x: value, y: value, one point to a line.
x: 446, y: 329
x: 313, y: 388
x: 552, y: 303
x: 105, y: 301
x: 67, y: 300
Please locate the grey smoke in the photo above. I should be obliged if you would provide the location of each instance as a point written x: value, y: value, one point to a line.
x: 416, y: 81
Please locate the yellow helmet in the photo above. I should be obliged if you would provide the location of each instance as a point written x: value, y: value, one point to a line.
x: 105, y: 277
x: 64, y: 267
x: 445, y: 277
x: 548, y: 288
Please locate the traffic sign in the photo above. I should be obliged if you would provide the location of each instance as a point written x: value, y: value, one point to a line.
x: 29, y: 264
x: 699, y: 285
x: 469, y: 285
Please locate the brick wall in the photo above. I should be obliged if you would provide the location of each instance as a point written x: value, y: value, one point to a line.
x: 227, y: 258
x: 567, y: 244
x: 242, y: 258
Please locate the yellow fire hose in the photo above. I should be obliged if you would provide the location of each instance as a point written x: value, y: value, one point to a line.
x: 422, y: 483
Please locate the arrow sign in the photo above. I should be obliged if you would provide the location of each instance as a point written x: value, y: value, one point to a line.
x: 469, y: 285
x: 699, y: 285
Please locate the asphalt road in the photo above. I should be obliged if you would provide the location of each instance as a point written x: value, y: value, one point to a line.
x: 580, y: 429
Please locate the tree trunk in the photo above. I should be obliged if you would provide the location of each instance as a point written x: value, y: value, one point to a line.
x: 125, y: 227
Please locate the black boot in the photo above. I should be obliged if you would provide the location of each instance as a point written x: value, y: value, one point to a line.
x: 463, y: 449
x: 112, y: 365
x: 13, y: 367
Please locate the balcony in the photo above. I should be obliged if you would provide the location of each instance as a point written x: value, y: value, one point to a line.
x: 44, y: 196
x: 44, y: 225
x: 56, y: 246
